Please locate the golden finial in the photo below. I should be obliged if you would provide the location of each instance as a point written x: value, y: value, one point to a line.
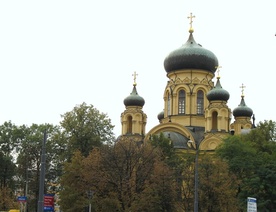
x: 134, y: 78
x: 218, y: 71
x: 242, y: 87
x: 191, y: 30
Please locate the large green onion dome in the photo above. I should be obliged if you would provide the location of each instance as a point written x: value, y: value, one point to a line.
x: 191, y: 56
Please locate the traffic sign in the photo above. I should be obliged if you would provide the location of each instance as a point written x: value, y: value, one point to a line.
x: 49, y: 202
x: 22, y: 199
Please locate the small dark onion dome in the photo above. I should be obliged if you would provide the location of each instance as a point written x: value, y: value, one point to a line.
x: 191, y: 56
x: 242, y: 109
x: 134, y: 99
x: 160, y: 115
x: 218, y: 93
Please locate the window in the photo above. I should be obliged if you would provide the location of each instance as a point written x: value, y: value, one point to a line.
x: 200, y: 102
x: 181, y: 102
x: 169, y: 105
x: 215, y: 121
x: 129, y: 124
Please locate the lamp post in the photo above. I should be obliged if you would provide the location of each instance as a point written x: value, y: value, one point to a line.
x: 40, y: 205
x: 196, y: 178
x: 90, y: 195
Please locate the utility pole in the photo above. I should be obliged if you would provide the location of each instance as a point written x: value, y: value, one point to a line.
x: 196, y: 180
x: 40, y: 207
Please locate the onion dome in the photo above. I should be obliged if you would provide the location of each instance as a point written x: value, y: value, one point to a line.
x: 218, y: 93
x: 191, y: 56
x: 242, y: 109
x: 160, y: 115
x: 134, y: 99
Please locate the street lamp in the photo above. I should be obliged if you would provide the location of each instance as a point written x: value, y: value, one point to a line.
x: 195, y: 147
x: 90, y: 195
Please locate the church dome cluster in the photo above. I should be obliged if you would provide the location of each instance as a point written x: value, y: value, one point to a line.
x: 191, y: 55
x: 195, y: 108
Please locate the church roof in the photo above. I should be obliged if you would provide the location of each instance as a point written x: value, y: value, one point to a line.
x: 191, y: 56
x: 218, y: 93
x: 242, y: 109
x: 134, y: 99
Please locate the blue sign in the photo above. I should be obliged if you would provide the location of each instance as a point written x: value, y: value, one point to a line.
x: 22, y: 199
x: 251, y: 204
x: 48, y: 208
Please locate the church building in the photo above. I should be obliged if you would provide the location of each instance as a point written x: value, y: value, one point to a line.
x: 195, y: 112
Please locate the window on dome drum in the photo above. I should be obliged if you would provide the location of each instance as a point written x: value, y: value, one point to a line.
x: 200, y: 102
x: 129, y: 124
x: 181, y: 102
x: 169, y: 105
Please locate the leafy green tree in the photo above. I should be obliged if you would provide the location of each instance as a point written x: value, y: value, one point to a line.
x: 8, y: 144
x: 7, y: 174
x: 9, y: 137
x: 251, y: 158
x: 85, y: 128
x: 29, y: 159
x: 7, y: 171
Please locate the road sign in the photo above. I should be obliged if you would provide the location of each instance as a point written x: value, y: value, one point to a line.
x: 251, y: 204
x: 22, y: 199
x: 49, y: 202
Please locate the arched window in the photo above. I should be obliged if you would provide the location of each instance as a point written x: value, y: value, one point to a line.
x: 129, y: 124
x: 215, y: 120
x: 181, y: 102
x: 200, y: 102
x: 169, y: 105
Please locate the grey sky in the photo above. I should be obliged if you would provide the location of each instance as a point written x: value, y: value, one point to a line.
x: 57, y: 54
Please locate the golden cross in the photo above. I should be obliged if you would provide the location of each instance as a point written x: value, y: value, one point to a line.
x: 218, y: 70
x: 134, y: 78
x: 191, y: 20
x: 242, y: 87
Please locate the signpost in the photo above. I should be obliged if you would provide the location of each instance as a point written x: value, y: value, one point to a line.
x: 251, y: 204
x: 49, y: 202
x: 23, y: 202
x: 22, y: 199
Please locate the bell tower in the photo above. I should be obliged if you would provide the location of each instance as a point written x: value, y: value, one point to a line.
x: 242, y: 115
x: 133, y: 119
x: 217, y: 114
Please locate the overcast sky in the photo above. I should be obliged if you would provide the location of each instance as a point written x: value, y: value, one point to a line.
x: 56, y: 54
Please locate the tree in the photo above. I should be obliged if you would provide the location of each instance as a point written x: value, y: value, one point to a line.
x: 128, y: 176
x: 10, y: 136
x: 8, y: 143
x: 181, y: 165
x: 252, y: 158
x: 29, y: 159
x: 218, y: 186
x: 73, y: 192
x: 85, y: 128
x: 8, y: 199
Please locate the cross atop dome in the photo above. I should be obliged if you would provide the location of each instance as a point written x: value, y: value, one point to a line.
x: 218, y: 71
x: 191, y: 30
x: 134, y: 78
x: 242, y: 89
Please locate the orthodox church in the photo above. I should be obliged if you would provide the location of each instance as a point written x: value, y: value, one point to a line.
x: 195, y: 112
